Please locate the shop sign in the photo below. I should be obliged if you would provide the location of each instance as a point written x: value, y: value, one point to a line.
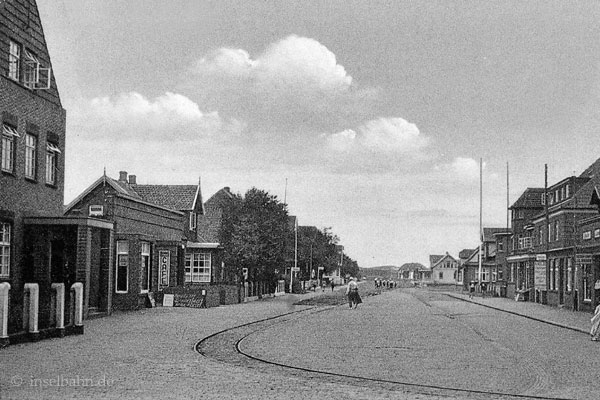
x: 164, y: 264
x: 539, y: 275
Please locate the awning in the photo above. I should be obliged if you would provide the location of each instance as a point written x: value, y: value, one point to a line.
x: 9, y: 131
x: 53, y: 148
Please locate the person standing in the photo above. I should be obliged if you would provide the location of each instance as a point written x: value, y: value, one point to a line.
x: 352, y: 292
x: 471, y: 289
x: 595, y: 331
x: 332, y: 285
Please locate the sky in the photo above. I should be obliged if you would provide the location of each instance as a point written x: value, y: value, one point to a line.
x: 372, y: 118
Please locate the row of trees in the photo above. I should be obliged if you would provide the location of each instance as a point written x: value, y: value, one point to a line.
x: 257, y: 234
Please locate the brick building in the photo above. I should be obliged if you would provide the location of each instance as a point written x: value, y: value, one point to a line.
x: 521, y: 257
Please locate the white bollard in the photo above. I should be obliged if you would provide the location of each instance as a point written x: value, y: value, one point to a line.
x: 59, y: 306
x: 31, y: 292
x: 4, y: 289
x: 77, y: 295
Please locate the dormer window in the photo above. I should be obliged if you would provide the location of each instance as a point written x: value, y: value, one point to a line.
x: 567, y: 190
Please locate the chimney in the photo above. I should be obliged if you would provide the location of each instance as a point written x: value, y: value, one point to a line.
x: 123, y: 176
x: 132, y: 180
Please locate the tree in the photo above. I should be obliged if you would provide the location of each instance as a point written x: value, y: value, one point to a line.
x: 253, y: 235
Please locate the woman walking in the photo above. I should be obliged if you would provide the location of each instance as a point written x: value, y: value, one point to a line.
x: 352, y: 293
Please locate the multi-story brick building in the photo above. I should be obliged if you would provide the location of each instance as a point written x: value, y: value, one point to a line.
x: 521, y: 258
x: 555, y: 239
x: 36, y: 245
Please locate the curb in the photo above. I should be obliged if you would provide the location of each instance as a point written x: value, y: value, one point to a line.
x: 545, y: 321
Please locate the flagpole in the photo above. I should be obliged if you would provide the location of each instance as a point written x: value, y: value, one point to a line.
x: 480, y: 217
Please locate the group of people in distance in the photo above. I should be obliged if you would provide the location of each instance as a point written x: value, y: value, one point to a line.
x: 385, y: 283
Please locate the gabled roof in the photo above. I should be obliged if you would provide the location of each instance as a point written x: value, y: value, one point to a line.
x: 593, y: 171
x: 531, y: 198
x: 103, y: 180
x: 441, y: 260
x: 122, y: 188
x: 434, y: 258
x: 466, y: 253
x: 175, y: 197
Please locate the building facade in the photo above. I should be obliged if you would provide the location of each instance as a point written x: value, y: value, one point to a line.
x: 37, y: 245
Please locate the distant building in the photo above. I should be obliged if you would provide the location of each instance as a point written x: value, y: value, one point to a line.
x: 445, y: 270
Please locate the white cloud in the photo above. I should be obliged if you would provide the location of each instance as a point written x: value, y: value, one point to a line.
x: 293, y: 63
x: 383, y: 135
x: 131, y: 115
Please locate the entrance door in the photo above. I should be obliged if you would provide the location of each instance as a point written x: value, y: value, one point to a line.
x: 561, y: 281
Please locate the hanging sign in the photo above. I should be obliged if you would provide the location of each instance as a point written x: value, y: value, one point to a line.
x: 164, y: 266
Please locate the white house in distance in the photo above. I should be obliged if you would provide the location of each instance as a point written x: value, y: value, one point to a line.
x: 444, y: 270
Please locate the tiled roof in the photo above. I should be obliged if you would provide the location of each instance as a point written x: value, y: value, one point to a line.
x: 531, y: 198
x: 411, y: 266
x: 488, y: 233
x: 433, y: 259
x: 592, y: 171
x: 175, y: 197
x: 465, y: 253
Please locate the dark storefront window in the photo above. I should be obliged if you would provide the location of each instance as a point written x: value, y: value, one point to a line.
x: 122, y: 275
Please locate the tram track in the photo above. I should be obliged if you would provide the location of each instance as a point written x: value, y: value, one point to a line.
x: 227, y: 346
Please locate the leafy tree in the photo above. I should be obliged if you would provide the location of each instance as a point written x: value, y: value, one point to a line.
x: 253, y: 235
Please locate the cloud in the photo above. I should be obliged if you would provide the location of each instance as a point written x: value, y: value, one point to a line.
x: 383, y: 135
x: 131, y: 116
x: 295, y: 86
x: 293, y: 63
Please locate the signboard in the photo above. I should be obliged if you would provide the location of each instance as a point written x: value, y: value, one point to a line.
x: 164, y: 267
x: 583, y: 259
x: 540, y: 257
x: 168, y: 300
x: 539, y: 275
x: 295, y: 269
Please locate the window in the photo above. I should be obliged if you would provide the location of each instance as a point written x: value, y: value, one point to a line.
x: 14, y: 61
x: 4, y: 250
x: 193, y: 220
x: 587, y: 235
x: 567, y: 190
x: 485, y: 275
x: 8, y: 147
x: 197, y: 267
x: 569, y: 274
x: 553, y: 274
x: 556, y: 235
x: 145, y: 267
x: 441, y: 275
x: 30, y: 156
x: 500, y: 245
x: 587, y: 282
x: 52, y: 152
x: 596, y: 233
x: 541, y: 235
x: 543, y: 199
x: 549, y: 233
x: 122, y: 275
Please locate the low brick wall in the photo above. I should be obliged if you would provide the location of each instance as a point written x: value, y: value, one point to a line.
x: 191, y: 295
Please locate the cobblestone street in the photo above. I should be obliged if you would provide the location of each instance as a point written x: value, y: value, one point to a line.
x: 152, y: 353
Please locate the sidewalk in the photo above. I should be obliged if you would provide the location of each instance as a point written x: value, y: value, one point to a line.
x: 574, y: 320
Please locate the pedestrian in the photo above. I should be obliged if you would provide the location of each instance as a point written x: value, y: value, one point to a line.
x: 471, y: 289
x: 595, y: 331
x: 483, y: 289
x: 352, y: 292
x: 332, y: 284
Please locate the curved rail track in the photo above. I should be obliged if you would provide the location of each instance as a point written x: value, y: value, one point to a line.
x: 226, y: 346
